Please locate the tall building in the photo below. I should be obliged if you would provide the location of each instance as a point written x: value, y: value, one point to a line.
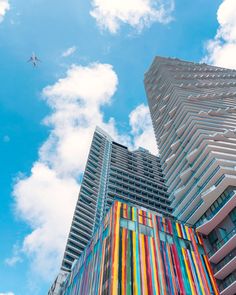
x: 193, y: 110
x: 112, y: 171
x: 135, y: 251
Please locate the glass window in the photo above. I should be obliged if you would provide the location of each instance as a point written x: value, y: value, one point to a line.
x: 169, y: 239
x: 233, y: 216
x: 201, y: 250
x: 162, y: 236
x: 129, y: 224
x: 146, y: 230
x: 212, y: 237
x: 182, y: 243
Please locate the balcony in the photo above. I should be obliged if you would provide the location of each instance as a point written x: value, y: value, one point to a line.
x: 207, y: 224
x: 225, y: 266
x: 223, y: 247
x: 228, y: 286
x: 223, y: 182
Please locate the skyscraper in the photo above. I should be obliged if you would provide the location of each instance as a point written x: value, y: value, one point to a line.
x: 113, y: 172
x: 193, y: 110
x: 135, y: 251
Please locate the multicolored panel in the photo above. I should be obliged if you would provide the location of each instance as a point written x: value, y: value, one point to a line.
x: 136, y: 252
x: 159, y: 256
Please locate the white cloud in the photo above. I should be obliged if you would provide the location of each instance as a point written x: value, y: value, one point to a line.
x: 13, y: 260
x: 46, y: 202
x: 110, y: 14
x: 69, y: 51
x: 46, y: 198
x: 221, y: 51
x: 16, y: 257
x: 76, y: 101
x: 4, y: 7
x: 7, y: 293
x: 141, y: 128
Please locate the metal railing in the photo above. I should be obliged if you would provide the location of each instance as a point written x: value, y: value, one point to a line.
x: 224, y: 261
x: 227, y: 282
x: 214, y: 212
x: 218, y: 245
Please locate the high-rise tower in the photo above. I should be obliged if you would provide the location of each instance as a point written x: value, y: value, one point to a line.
x: 113, y: 172
x: 193, y: 110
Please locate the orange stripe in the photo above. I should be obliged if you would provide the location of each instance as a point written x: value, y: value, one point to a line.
x: 123, y: 277
x: 213, y: 281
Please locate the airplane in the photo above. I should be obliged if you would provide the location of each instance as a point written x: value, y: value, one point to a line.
x: 34, y: 59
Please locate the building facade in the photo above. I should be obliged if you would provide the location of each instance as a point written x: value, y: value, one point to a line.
x: 135, y: 251
x: 193, y: 110
x: 112, y: 171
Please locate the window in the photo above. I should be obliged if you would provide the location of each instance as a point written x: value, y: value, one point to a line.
x: 169, y: 239
x: 146, y: 230
x: 233, y: 216
x: 212, y: 237
x: 185, y: 244
x: 201, y: 250
x: 129, y: 224
x: 162, y: 236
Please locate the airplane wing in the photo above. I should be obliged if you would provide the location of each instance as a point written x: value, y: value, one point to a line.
x: 31, y: 59
x: 37, y: 59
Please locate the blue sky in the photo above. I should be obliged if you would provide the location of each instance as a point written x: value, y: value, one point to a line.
x: 94, y: 56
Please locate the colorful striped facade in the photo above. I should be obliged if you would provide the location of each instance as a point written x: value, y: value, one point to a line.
x: 141, y: 253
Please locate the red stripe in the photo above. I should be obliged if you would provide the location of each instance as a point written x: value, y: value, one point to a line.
x: 148, y: 266
x: 155, y: 261
x: 178, y: 270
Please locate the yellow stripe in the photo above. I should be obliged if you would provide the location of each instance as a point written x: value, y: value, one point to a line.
x: 135, y: 285
x: 188, y: 272
x: 210, y: 274
x: 198, y: 273
x: 143, y: 266
x: 133, y: 214
x: 123, y: 260
x: 178, y: 230
x: 139, y: 216
x: 154, y: 267
x: 116, y: 252
x: 187, y: 231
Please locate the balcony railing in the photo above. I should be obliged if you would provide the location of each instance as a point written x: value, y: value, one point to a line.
x: 198, y: 191
x: 227, y: 282
x: 218, y: 245
x: 224, y: 261
x: 214, y: 212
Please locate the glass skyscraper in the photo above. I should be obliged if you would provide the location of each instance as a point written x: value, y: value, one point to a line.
x: 113, y: 172
x: 193, y: 110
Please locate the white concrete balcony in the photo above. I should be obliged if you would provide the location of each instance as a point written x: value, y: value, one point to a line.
x: 185, y: 176
x: 175, y: 145
x: 181, y: 129
x: 168, y: 124
x: 211, y: 194
x: 181, y: 191
x: 226, y: 266
x: 228, y: 286
x: 163, y: 137
x: 170, y: 160
x: 172, y: 112
x: 208, y: 224
x: 223, y: 247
